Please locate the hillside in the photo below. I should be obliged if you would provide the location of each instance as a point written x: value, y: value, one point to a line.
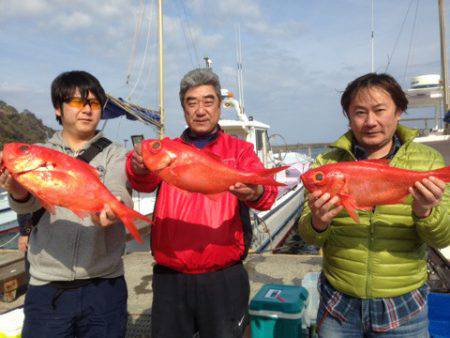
x: 23, y: 127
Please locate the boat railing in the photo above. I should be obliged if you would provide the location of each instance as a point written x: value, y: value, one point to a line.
x: 423, y: 124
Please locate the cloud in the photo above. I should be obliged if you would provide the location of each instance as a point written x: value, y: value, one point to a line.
x: 11, y: 88
x: 72, y: 21
x: 24, y: 8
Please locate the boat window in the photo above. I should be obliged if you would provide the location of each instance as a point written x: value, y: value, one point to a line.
x: 259, y: 140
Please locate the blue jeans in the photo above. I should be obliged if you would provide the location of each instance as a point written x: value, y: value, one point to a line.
x: 358, y: 326
x: 98, y: 310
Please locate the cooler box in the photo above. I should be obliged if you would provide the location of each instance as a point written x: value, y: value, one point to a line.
x: 439, y: 315
x: 276, y: 311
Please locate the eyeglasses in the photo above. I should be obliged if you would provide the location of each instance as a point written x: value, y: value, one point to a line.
x: 79, y: 103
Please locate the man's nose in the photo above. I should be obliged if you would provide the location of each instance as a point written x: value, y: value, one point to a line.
x: 371, y: 119
x: 87, y: 108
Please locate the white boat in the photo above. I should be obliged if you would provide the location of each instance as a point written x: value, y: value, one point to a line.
x: 8, y: 223
x: 427, y: 91
x: 269, y: 227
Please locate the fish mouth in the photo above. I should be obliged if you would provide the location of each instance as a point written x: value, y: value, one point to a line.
x: 44, y: 166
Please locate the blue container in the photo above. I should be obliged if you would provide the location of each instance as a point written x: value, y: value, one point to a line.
x: 439, y: 315
x: 276, y: 311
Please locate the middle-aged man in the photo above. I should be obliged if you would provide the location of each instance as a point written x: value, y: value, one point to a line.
x: 77, y: 286
x: 199, y: 282
x: 374, y: 275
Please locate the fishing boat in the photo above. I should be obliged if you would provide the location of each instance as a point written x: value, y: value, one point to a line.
x: 269, y: 227
x: 431, y: 90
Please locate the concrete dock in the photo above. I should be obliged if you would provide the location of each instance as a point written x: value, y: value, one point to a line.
x: 262, y: 269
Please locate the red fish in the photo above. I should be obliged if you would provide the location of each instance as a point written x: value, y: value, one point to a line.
x: 195, y: 170
x: 364, y: 184
x: 57, y: 179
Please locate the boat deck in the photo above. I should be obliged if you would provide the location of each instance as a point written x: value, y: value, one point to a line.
x: 262, y: 269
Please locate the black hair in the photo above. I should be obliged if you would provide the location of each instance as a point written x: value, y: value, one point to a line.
x: 384, y: 81
x: 65, y: 84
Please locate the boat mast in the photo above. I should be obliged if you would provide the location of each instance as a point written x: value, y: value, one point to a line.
x: 444, y: 66
x: 161, y: 69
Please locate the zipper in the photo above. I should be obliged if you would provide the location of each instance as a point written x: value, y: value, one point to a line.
x: 369, y: 253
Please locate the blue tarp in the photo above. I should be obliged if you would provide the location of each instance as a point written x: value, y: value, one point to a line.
x: 116, y: 107
x: 447, y: 117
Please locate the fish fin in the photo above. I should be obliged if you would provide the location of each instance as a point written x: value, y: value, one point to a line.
x: 128, y: 216
x: 442, y: 174
x: 379, y: 161
x: 212, y: 155
x: 271, y: 171
x: 264, y: 176
x: 93, y: 170
x: 349, y: 203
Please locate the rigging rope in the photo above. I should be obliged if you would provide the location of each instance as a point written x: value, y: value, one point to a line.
x: 137, y: 30
x: 9, y: 241
x: 398, y: 37
x: 189, y: 31
x: 144, y: 58
x: 411, y: 42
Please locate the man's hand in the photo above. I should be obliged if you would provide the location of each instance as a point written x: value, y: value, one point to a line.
x: 246, y: 192
x: 8, y: 183
x: 426, y: 194
x: 23, y: 243
x: 137, y: 162
x: 104, y: 218
x: 323, y: 209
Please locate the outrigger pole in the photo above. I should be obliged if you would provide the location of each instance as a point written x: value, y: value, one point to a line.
x: 161, y: 70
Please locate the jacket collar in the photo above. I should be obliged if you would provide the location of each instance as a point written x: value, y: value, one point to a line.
x: 187, y: 136
x: 405, y: 134
x: 57, y: 141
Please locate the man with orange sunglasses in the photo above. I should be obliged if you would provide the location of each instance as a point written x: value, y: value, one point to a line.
x: 77, y: 286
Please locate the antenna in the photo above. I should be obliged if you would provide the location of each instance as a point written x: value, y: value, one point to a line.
x: 208, y: 62
x: 372, y: 41
x: 240, y: 77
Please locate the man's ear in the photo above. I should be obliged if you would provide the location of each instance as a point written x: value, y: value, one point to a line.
x: 58, y: 112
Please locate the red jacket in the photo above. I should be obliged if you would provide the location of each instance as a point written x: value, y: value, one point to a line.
x: 192, y: 233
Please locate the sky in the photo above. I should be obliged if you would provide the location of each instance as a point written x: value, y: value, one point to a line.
x: 298, y: 55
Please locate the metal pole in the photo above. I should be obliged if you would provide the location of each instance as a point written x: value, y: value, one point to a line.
x: 444, y: 66
x: 161, y: 69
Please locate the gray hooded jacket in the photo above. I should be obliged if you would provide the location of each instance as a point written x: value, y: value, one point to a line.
x: 64, y: 247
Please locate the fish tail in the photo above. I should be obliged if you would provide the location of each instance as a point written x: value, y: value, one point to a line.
x: 128, y: 216
x: 271, y: 171
x: 265, y: 176
x: 442, y: 173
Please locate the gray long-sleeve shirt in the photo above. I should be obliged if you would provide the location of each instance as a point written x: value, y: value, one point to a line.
x: 64, y: 247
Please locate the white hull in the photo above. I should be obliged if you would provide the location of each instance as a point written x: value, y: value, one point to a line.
x: 271, y: 226
x: 442, y: 144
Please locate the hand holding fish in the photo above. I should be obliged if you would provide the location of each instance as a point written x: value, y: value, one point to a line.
x: 8, y: 183
x: 323, y: 209
x: 247, y: 192
x: 137, y: 161
x: 22, y: 243
x: 105, y: 217
x: 362, y: 185
x: 427, y: 194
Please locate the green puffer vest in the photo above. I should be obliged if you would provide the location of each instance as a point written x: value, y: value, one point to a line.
x: 384, y: 255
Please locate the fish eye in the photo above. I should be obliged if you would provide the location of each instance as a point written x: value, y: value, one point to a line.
x: 24, y: 149
x: 318, y: 178
x: 156, y: 146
